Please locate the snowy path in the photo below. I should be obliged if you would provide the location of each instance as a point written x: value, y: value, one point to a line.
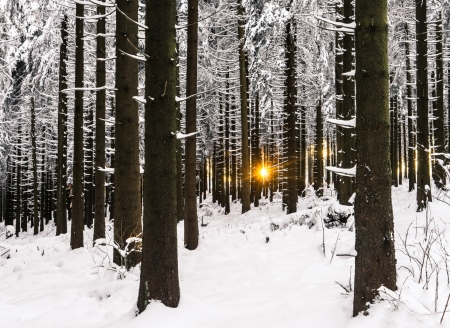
x: 234, y: 279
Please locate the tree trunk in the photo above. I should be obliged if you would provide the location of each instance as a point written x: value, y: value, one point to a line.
x: 159, y: 268
x: 320, y: 149
x: 100, y: 132
x: 191, y: 222
x: 374, y: 222
x: 127, y: 201
x: 346, y: 183
x: 35, y: 176
x: 245, y: 158
x: 422, y: 135
x: 76, y: 236
x: 61, y: 199
x: 290, y: 119
x: 18, y: 189
x: 339, y: 59
x: 89, y: 179
x: 227, y: 146
x: 113, y: 164
x: 257, y: 150
x: 439, y: 133
x: 395, y: 140
x: 43, y: 198
x: 411, y: 130
x: 233, y: 183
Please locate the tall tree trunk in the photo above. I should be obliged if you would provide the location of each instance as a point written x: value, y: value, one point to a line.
x: 76, y: 236
x: 89, y: 179
x: 346, y: 183
x: 18, y: 181
x: 159, y: 268
x: 422, y: 135
x: 394, y: 137
x: 302, y: 175
x: 245, y: 158
x: 35, y: 175
x: 191, y: 222
x: 113, y: 164
x: 61, y: 194
x: 214, y: 173
x: 43, y: 198
x: 290, y: 119
x: 411, y: 126
x: 320, y: 149
x: 257, y: 150
x: 339, y: 69
x: 227, y: 146
x: 233, y: 184
x: 127, y: 201
x: 374, y: 222
x: 181, y: 213
x: 100, y: 130
x: 439, y: 133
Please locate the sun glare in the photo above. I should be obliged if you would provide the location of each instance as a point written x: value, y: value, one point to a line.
x: 264, y: 172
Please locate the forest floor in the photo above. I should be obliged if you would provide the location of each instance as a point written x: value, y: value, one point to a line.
x: 260, y: 269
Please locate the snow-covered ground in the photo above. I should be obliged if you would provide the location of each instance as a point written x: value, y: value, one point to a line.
x: 260, y: 269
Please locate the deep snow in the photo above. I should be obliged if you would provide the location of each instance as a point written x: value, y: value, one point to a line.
x: 234, y: 279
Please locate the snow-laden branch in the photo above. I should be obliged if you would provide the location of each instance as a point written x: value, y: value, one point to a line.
x: 194, y: 95
x: 351, y: 73
x: 350, y: 26
x: 344, y: 172
x: 140, y: 99
x: 344, y: 123
x: 184, y: 136
x: 137, y: 57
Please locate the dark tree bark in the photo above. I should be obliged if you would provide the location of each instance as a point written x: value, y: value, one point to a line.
x: 302, y: 175
x: 245, y: 157
x: 100, y: 132
x: 76, y: 236
x: 318, y: 185
x: 233, y: 183
x: 348, y: 156
x: 374, y: 222
x: 127, y: 201
x: 395, y: 141
x: 227, y: 146
x: 214, y: 173
x: 181, y: 213
x: 159, y: 269
x: 113, y: 164
x: 43, y: 198
x: 18, y: 181
x: 89, y: 179
x: 339, y: 69
x: 191, y: 222
x: 61, y: 183
x: 35, y: 175
x: 422, y: 135
x: 290, y: 119
x: 411, y: 125
x: 439, y: 133
x: 257, y: 156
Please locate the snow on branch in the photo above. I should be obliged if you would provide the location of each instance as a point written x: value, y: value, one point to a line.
x: 344, y: 123
x: 177, y: 99
x: 350, y: 26
x: 344, y: 172
x: 184, y: 136
x: 140, y: 99
x: 139, y: 56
